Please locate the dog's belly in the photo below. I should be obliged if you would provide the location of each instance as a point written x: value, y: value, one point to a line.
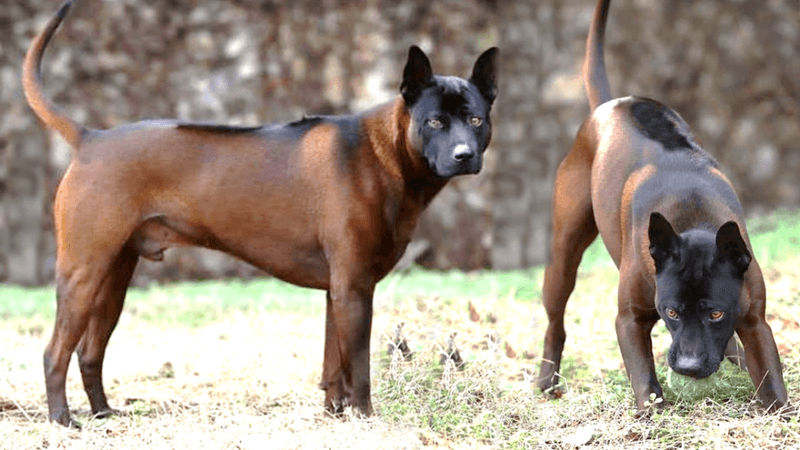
x: 291, y: 254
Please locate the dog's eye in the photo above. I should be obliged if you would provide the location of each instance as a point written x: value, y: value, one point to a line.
x: 672, y: 314
x: 435, y: 123
x: 475, y: 121
x: 716, y: 315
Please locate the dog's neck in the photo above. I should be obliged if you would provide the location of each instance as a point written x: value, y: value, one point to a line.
x: 403, y: 163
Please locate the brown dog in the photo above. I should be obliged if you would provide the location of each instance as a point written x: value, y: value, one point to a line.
x: 324, y: 202
x: 673, y: 225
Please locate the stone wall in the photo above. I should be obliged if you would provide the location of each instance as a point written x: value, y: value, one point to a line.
x: 26, y: 242
x: 729, y: 67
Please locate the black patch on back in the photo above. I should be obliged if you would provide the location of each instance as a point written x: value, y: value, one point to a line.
x: 659, y: 123
x: 216, y: 128
x: 349, y: 129
x: 306, y: 123
x: 350, y: 138
x: 292, y: 131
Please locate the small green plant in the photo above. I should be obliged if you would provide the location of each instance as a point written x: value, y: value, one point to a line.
x: 729, y: 383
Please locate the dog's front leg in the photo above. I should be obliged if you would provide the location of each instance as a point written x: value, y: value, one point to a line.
x: 633, y: 325
x: 332, y: 382
x: 760, y: 351
x: 763, y: 363
x: 345, y: 375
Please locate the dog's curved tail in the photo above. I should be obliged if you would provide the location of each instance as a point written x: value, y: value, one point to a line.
x: 594, y: 69
x: 44, y: 108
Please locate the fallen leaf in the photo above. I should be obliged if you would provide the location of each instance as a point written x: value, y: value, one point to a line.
x: 473, y: 313
x: 510, y: 352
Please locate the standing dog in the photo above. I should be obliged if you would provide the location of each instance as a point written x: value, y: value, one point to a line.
x: 675, y: 229
x: 324, y: 202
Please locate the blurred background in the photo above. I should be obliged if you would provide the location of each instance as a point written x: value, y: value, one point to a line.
x: 731, y: 68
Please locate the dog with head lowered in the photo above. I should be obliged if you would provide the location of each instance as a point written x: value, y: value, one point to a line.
x: 324, y: 202
x: 675, y: 229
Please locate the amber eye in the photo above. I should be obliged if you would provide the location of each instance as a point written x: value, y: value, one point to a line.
x: 475, y: 121
x: 716, y: 315
x: 672, y: 314
x: 435, y: 123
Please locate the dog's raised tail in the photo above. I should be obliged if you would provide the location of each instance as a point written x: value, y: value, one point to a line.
x: 594, y: 68
x: 44, y: 108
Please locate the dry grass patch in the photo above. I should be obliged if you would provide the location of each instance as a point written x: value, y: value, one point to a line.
x: 247, y: 379
x: 492, y: 399
x: 247, y: 382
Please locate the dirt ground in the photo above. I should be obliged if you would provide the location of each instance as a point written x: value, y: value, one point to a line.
x: 249, y: 381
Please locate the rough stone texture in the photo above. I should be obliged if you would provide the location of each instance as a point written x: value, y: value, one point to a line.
x: 26, y: 242
x: 538, y: 112
x: 729, y: 67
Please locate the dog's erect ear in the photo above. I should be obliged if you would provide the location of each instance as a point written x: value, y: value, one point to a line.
x: 417, y: 74
x: 731, y: 246
x: 664, y: 242
x: 484, y: 74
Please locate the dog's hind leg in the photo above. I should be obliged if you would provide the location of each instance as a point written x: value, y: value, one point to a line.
x: 574, y: 229
x: 103, y: 318
x: 89, y: 240
x: 75, y: 291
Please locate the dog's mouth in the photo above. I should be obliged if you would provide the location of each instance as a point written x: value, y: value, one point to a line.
x: 455, y: 168
x: 471, y: 169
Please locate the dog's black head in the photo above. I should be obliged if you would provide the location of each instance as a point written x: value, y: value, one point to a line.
x: 699, y: 276
x: 449, y: 115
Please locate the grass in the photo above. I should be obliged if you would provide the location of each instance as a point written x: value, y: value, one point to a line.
x: 234, y: 364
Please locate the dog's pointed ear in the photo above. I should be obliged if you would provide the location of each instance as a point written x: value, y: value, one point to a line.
x: 416, y: 75
x: 484, y: 74
x: 731, y: 246
x: 664, y: 242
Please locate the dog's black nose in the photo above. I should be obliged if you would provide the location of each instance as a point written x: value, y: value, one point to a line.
x: 691, y: 366
x: 463, y: 153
